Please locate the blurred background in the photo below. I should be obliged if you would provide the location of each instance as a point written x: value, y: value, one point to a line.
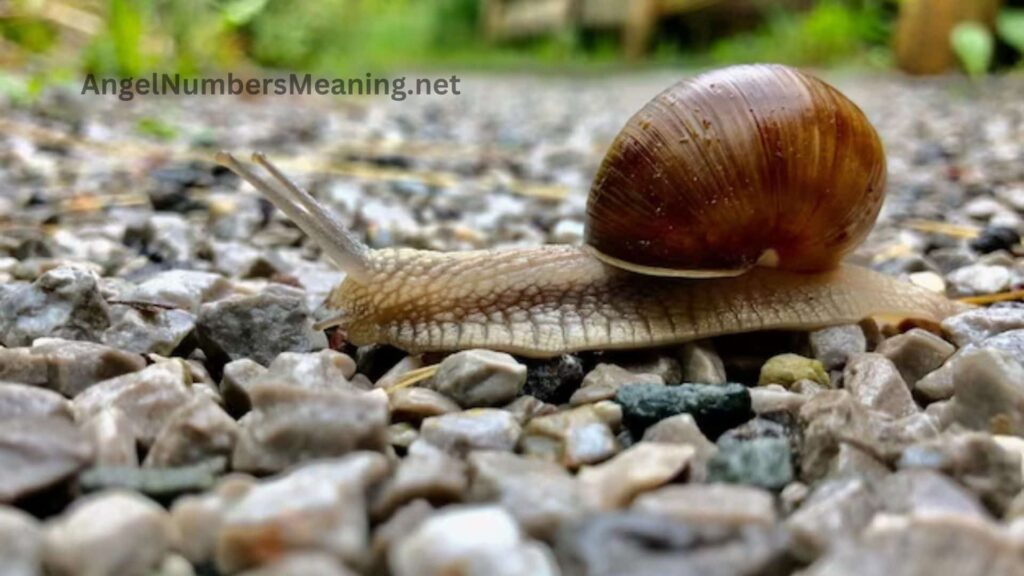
x: 45, y: 41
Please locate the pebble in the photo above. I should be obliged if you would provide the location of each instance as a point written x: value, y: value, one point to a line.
x: 921, y: 492
x: 650, y: 545
x: 162, y: 484
x: 836, y: 511
x: 288, y: 425
x: 979, y: 324
x: 710, y: 504
x: 74, y: 366
x: 573, y: 437
x: 541, y: 495
x: 182, y: 289
x: 683, y: 429
x: 414, y: 404
x: 64, y: 302
x: 716, y: 408
x: 979, y: 279
x: 318, y: 506
x: 470, y: 541
x: 640, y: 468
x: 147, y: 397
x: 763, y: 462
x: 111, y: 533
x: 426, y: 472
x: 112, y: 435
x: 773, y: 398
x: 930, y: 545
x: 399, y: 526
x: 554, y: 381
x: 989, y: 392
x: 916, y: 353
x: 195, y: 432
x: 479, y: 378
x: 302, y: 564
x: 21, y: 543
x: 475, y: 429
x: 874, y: 381
x: 147, y: 329
x: 236, y: 382
x: 259, y: 327
x: 832, y: 346
x: 526, y: 407
x: 23, y: 401
x: 196, y: 519
x: 786, y: 369
x: 604, y: 381
x: 20, y: 366
x: 701, y: 363
x: 995, y: 238
x: 37, y: 453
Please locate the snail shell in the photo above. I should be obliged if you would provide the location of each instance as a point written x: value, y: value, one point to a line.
x: 734, y: 167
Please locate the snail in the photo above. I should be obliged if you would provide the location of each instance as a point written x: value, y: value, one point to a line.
x: 725, y: 205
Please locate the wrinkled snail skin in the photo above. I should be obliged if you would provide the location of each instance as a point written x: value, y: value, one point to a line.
x: 545, y: 301
x: 724, y: 206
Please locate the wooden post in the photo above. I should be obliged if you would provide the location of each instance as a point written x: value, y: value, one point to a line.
x: 922, y: 43
x: 640, y: 22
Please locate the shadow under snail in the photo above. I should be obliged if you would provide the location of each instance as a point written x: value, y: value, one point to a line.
x: 725, y: 205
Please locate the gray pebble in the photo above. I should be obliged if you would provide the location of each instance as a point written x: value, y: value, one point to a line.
x: 834, y: 345
x: 474, y: 429
x: 640, y: 468
x: 36, y: 453
x: 23, y: 401
x: 113, y: 437
x: 916, y: 353
x: 146, y: 330
x: 710, y: 504
x: 835, y: 512
x: 74, y: 366
x: 989, y: 392
x: 182, y: 289
x: 195, y: 432
x: 571, y: 437
x: 701, y: 364
x: 64, y: 302
x: 875, y: 382
x: 479, y: 378
x: 21, y: 543
x: 426, y: 472
x: 604, y: 381
x: 414, y: 404
x: 976, y: 325
x: 163, y: 484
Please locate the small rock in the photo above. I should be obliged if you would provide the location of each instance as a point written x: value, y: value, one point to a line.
x: 835, y: 512
x: 763, y: 462
x: 979, y: 279
x: 852, y: 462
x: 773, y: 398
x: 989, y: 392
x: 995, y: 238
x: 978, y: 324
x: 785, y: 369
x: 197, y: 431
x: 197, y: 519
x: 289, y: 425
x: 399, y: 526
x: 183, y: 289
x: 113, y: 438
x: 874, y: 381
x: 652, y: 545
x: 415, y: 404
x: 642, y: 467
x: 710, y: 504
x: 701, y: 364
x: 470, y: 541
x: 20, y: 366
x: 474, y: 429
x: 426, y: 472
x: 920, y: 492
x: 320, y: 505
x: 553, y: 381
x: 604, y: 381
x: 21, y: 543
x: 525, y: 408
x: 540, y: 495
x: 64, y: 302
x: 260, y: 326
x: 924, y: 545
x: 682, y: 429
x: 916, y: 353
x: 571, y: 437
x: 161, y: 484
x: 237, y: 381
x: 479, y: 378
x: 147, y: 397
x: 834, y: 345
x: 111, y: 533
x: 325, y: 370
x: 715, y: 408
x: 22, y: 401
x: 148, y: 330
x: 402, y: 435
x: 74, y: 366
x: 653, y: 362
x: 302, y: 564
x: 37, y: 453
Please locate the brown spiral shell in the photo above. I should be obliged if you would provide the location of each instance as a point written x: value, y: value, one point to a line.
x: 735, y: 167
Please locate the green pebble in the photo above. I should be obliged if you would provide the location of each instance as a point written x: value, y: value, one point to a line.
x: 161, y: 484
x: 763, y: 462
x: 786, y: 369
x: 715, y: 408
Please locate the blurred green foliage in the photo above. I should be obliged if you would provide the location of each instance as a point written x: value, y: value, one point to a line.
x: 973, y: 44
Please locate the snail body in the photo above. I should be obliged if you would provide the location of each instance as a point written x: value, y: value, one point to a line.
x: 742, y: 229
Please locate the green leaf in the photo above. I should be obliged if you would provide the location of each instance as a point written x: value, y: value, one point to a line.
x: 240, y: 12
x: 974, y: 45
x: 1011, y: 28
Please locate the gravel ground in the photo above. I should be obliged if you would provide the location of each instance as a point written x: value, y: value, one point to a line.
x: 166, y: 406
